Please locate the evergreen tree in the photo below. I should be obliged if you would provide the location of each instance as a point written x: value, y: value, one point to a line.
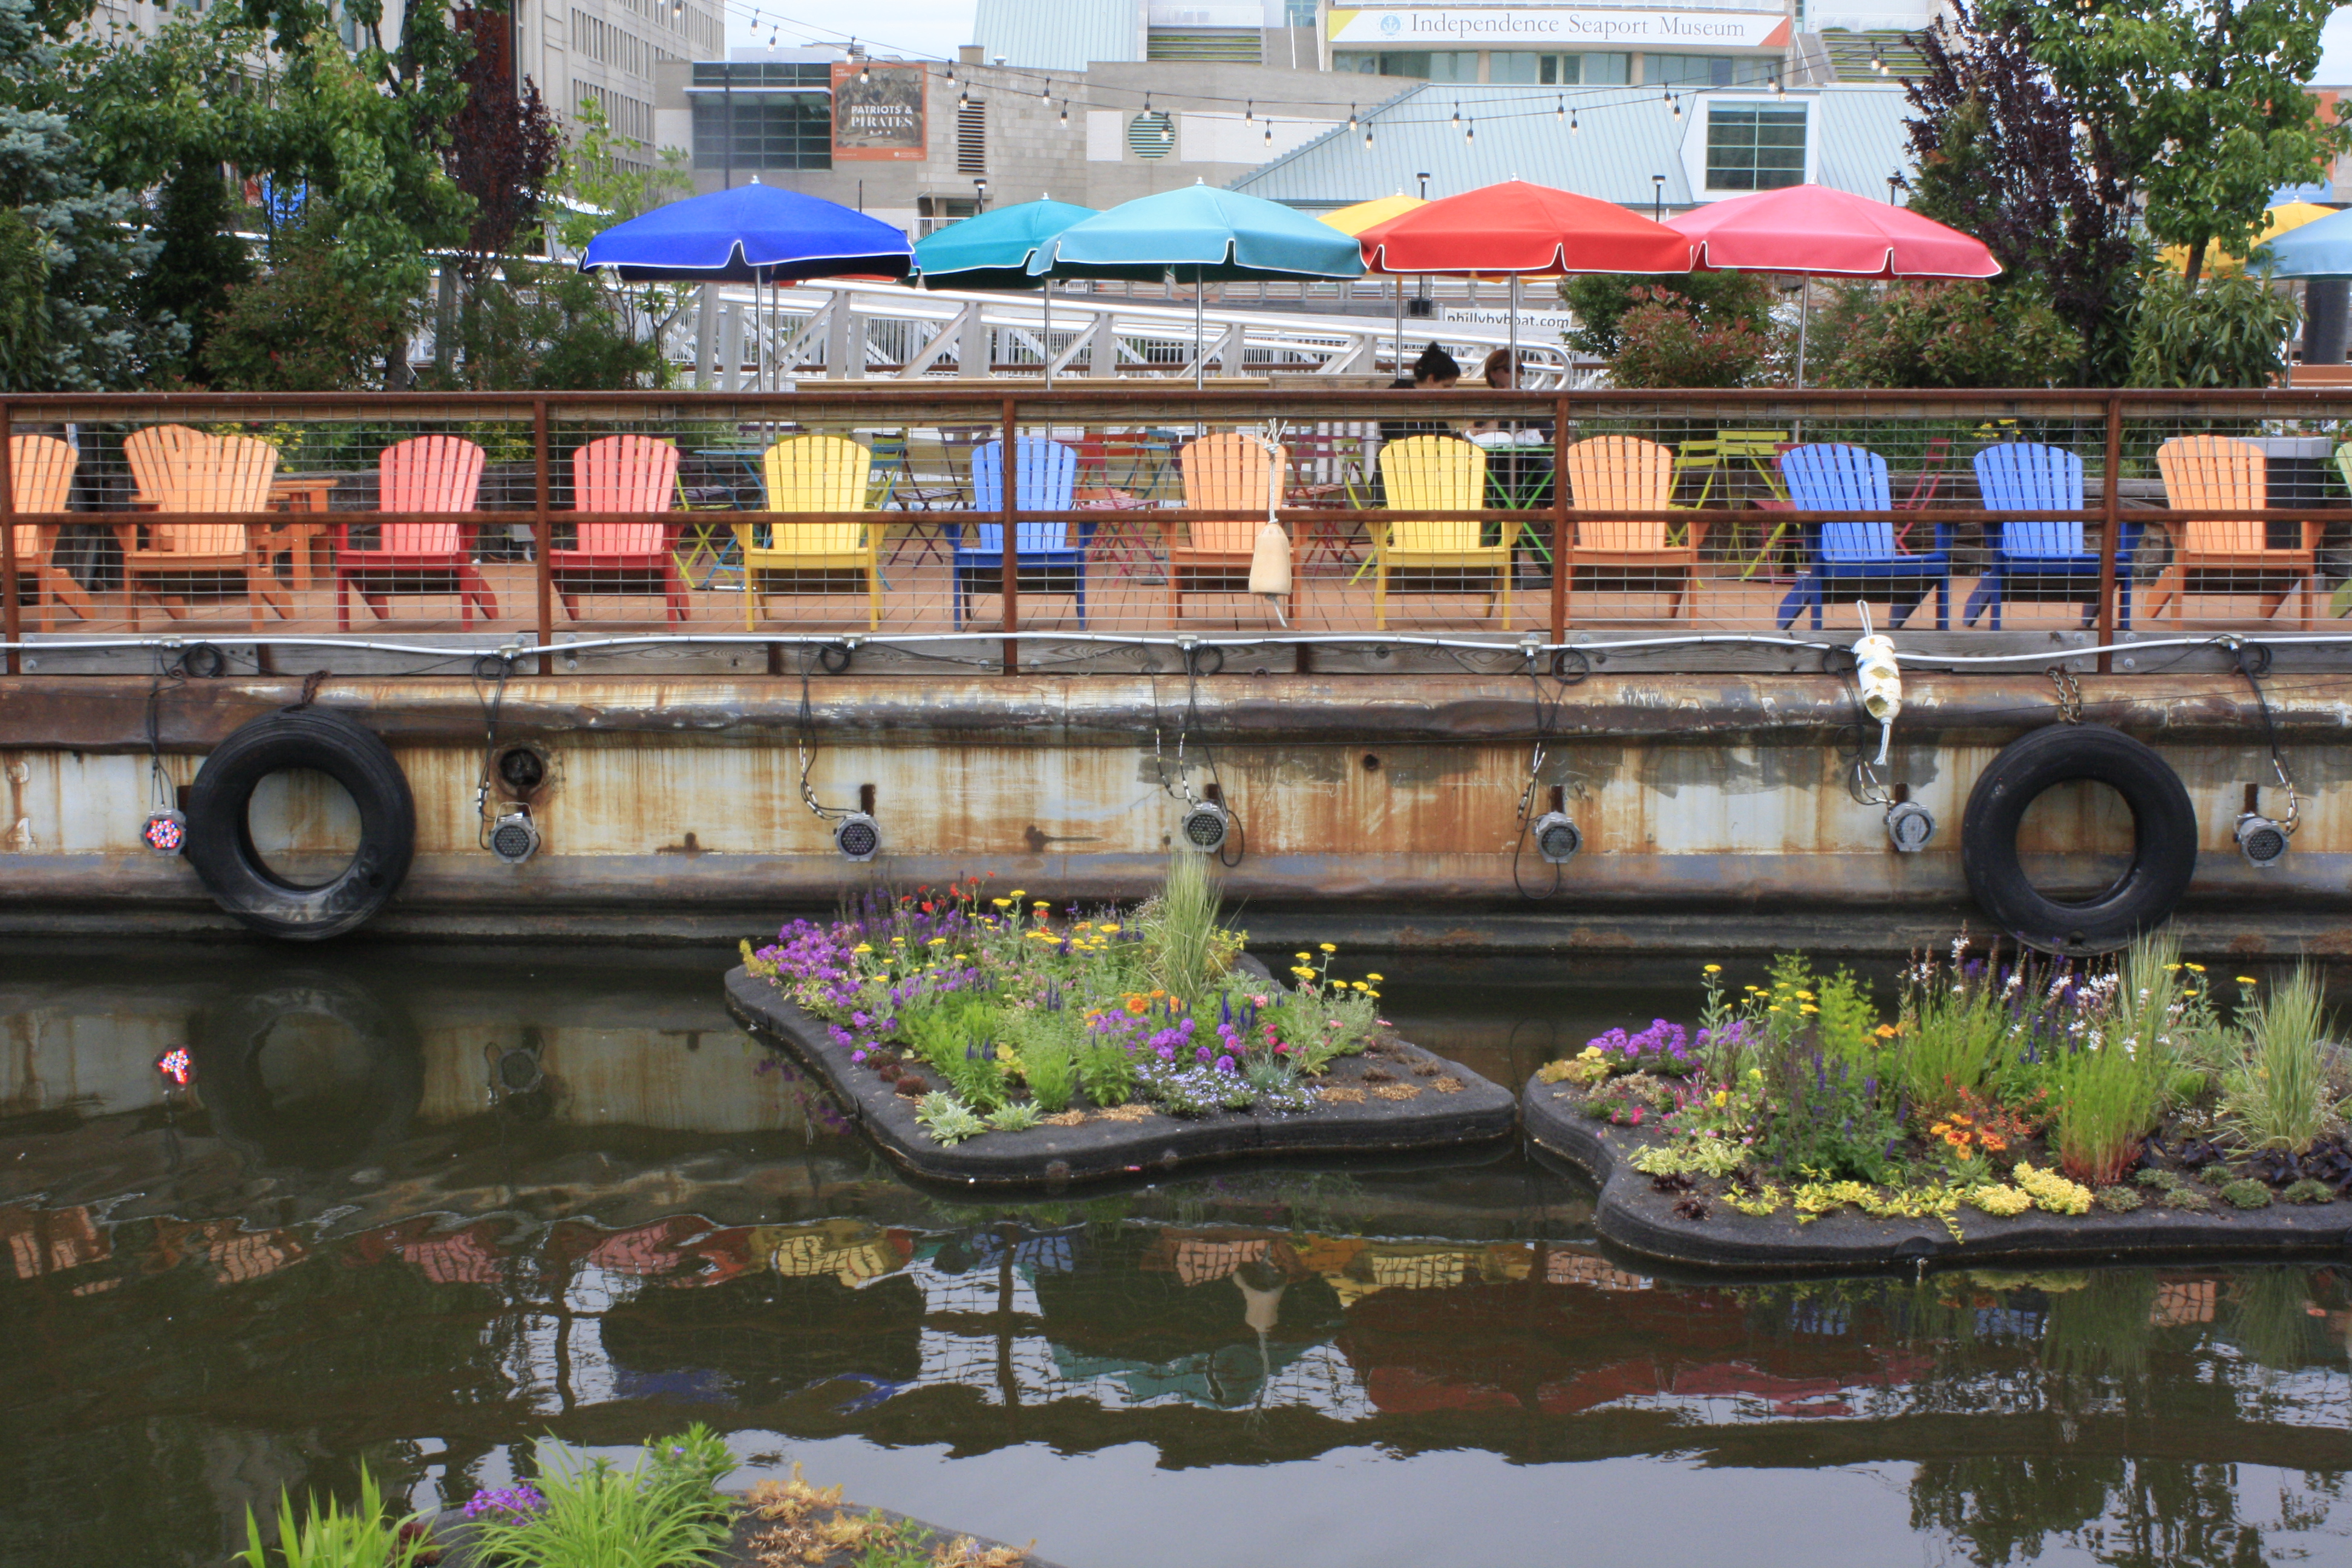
x: 200, y: 261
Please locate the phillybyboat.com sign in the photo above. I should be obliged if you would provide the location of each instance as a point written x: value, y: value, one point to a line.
x: 1562, y: 27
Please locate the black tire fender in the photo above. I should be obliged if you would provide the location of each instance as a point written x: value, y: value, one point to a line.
x: 2164, y: 852
x: 220, y: 842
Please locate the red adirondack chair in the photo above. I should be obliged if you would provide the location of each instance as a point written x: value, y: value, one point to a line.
x: 622, y: 473
x: 430, y: 474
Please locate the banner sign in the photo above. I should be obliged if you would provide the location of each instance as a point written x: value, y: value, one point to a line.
x: 881, y: 116
x: 1565, y: 27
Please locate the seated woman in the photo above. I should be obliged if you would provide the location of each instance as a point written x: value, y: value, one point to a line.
x: 1518, y: 470
x: 1434, y: 370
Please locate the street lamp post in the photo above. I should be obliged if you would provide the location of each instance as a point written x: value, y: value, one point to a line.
x: 1658, y: 197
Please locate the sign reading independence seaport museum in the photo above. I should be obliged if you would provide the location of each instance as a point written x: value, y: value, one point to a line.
x: 1565, y: 26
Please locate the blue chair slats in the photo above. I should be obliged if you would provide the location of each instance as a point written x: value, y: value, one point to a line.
x: 1861, y: 558
x: 2049, y: 559
x: 1045, y: 478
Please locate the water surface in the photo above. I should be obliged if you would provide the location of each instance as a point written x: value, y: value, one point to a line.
x: 422, y: 1208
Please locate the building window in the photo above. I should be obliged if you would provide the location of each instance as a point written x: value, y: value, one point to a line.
x: 1521, y: 65
x: 1223, y: 46
x: 1754, y: 147
x: 972, y: 138
x: 1454, y: 65
x: 1708, y: 71
x: 1444, y: 65
x: 763, y: 74
x: 1299, y: 13
x: 1587, y: 71
x: 1151, y: 135
x: 624, y: 115
x: 770, y: 131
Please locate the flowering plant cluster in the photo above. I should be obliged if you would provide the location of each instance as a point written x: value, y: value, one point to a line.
x: 2003, y: 1084
x: 998, y: 1013
x: 516, y: 1504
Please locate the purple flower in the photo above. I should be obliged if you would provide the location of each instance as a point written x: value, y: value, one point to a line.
x: 516, y: 1504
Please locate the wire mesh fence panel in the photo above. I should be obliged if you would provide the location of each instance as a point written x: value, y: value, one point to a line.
x: 1104, y: 510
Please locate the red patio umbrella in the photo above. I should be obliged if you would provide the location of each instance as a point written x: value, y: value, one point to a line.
x: 1520, y: 228
x: 1818, y: 232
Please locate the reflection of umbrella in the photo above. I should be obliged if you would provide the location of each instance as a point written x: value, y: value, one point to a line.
x: 1199, y: 233
x: 2281, y: 219
x: 993, y: 251
x: 1818, y: 232
x: 752, y: 234
x: 1519, y: 228
x: 1371, y: 214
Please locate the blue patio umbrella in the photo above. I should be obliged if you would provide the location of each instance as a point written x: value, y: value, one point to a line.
x: 749, y: 234
x: 2316, y: 252
x: 1199, y: 234
x: 993, y: 251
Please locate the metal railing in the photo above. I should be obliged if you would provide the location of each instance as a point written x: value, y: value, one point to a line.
x: 1507, y: 521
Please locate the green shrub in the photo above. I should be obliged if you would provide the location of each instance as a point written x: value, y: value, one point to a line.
x: 2245, y: 1193
x: 328, y: 1537
x: 1946, y: 334
x: 2276, y: 1096
x: 948, y: 1119
x: 662, y: 1512
x: 2118, y: 1200
x: 1600, y: 301
x: 2307, y: 1191
x: 1181, y: 930
x: 1013, y: 1116
x: 1108, y: 1072
x: 2162, y: 1180
x: 2186, y: 1198
x: 2224, y: 332
x: 1048, y: 1042
x: 1662, y: 344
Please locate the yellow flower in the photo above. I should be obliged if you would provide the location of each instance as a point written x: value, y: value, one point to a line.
x: 1301, y: 970
x: 1327, y: 947
x: 1809, y: 1007
x: 937, y: 942
x: 1019, y: 892
x: 1001, y: 903
x: 1357, y: 984
x: 1722, y: 1097
x: 1300, y: 956
x: 1885, y: 1031
x: 1040, y: 904
x: 1713, y: 969
x: 1375, y: 979
x: 2195, y: 968
x: 900, y: 941
x: 1108, y: 931
x: 863, y: 947
x: 2248, y: 980
x: 1804, y: 996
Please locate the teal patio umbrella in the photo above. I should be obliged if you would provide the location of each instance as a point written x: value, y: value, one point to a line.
x: 1200, y: 235
x: 994, y: 249
x: 2321, y: 249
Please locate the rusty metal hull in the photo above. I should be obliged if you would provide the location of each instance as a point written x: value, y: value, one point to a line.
x: 1716, y: 809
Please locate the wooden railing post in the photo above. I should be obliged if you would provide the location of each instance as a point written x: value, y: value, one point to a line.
x: 1010, y: 474
x: 542, y: 532
x: 2111, y: 506
x: 1563, y: 546
x: 12, y: 617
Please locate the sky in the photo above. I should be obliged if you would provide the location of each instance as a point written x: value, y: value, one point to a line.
x: 932, y: 29
x: 928, y: 29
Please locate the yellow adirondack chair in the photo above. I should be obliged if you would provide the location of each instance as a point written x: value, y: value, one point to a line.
x: 1626, y: 473
x: 812, y: 474
x: 1438, y: 473
x: 185, y: 473
x: 2218, y: 555
x: 40, y: 474
x: 1228, y: 472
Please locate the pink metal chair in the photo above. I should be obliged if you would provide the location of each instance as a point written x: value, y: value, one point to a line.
x: 622, y: 473
x: 424, y: 474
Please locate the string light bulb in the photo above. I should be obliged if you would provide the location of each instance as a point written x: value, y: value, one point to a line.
x: 1368, y: 138
x: 963, y: 98
x: 1249, y: 111
x: 1045, y: 90
x: 1572, y: 126
x: 1470, y: 133
x: 1561, y: 111
x: 1065, y: 112
x: 1457, y: 116
x: 1677, y: 106
x: 1351, y: 120
x: 1269, y: 132
x: 1780, y: 88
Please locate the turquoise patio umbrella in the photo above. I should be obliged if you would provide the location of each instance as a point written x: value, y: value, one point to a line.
x: 994, y: 249
x: 1199, y: 233
x: 2321, y: 249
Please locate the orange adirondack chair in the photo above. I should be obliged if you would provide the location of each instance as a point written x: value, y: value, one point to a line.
x: 2219, y: 557
x: 1627, y: 473
x: 622, y: 473
x: 185, y: 473
x: 1230, y: 472
x: 427, y: 474
x: 41, y: 476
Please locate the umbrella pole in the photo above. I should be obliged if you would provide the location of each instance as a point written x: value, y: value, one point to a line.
x: 1046, y: 332
x: 1200, y: 337
x: 1804, y: 318
x: 1396, y: 287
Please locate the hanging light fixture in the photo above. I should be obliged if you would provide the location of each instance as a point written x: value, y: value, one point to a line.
x: 1470, y: 133
x: 1780, y: 88
x: 1045, y: 89
x: 1269, y: 132
x: 1572, y: 126
x: 1678, y: 107
x: 1458, y: 115
x: 1249, y: 111
x: 1368, y: 138
x: 1561, y: 111
x: 1065, y: 111
x: 963, y: 97
x: 1351, y: 120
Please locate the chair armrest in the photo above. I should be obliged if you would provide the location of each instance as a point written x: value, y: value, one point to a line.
x: 2314, y: 530
x: 1944, y: 537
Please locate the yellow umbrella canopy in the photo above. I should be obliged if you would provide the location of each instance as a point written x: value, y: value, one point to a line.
x: 2280, y: 218
x: 1364, y: 215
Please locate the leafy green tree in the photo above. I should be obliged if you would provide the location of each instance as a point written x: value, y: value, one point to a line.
x: 2204, y: 100
x: 72, y: 245
x: 1945, y: 334
x: 201, y: 258
x: 1666, y: 339
x: 2229, y: 330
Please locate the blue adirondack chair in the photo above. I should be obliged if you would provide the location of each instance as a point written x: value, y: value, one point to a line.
x: 1859, y: 558
x: 1045, y: 478
x: 2050, y: 556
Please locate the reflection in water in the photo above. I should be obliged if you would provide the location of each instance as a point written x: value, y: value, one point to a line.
x: 421, y: 1211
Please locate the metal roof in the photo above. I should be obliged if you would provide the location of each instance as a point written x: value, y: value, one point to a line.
x: 1059, y: 34
x: 1624, y: 135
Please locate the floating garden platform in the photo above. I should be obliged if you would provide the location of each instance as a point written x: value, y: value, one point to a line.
x: 1003, y: 1042
x: 2011, y: 1110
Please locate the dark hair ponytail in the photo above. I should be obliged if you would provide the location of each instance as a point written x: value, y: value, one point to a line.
x: 1436, y: 364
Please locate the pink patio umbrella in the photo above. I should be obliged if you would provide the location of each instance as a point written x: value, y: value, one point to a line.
x: 1817, y: 232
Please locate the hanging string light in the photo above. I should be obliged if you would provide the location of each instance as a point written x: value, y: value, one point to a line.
x: 1269, y: 132
x: 1470, y: 133
x: 1573, y: 127
x: 1561, y: 111
x: 1066, y: 113
x: 1457, y: 114
x: 1678, y: 107
x: 1780, y: 88
x: 1368, y: 138
x: 1249, y: 111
